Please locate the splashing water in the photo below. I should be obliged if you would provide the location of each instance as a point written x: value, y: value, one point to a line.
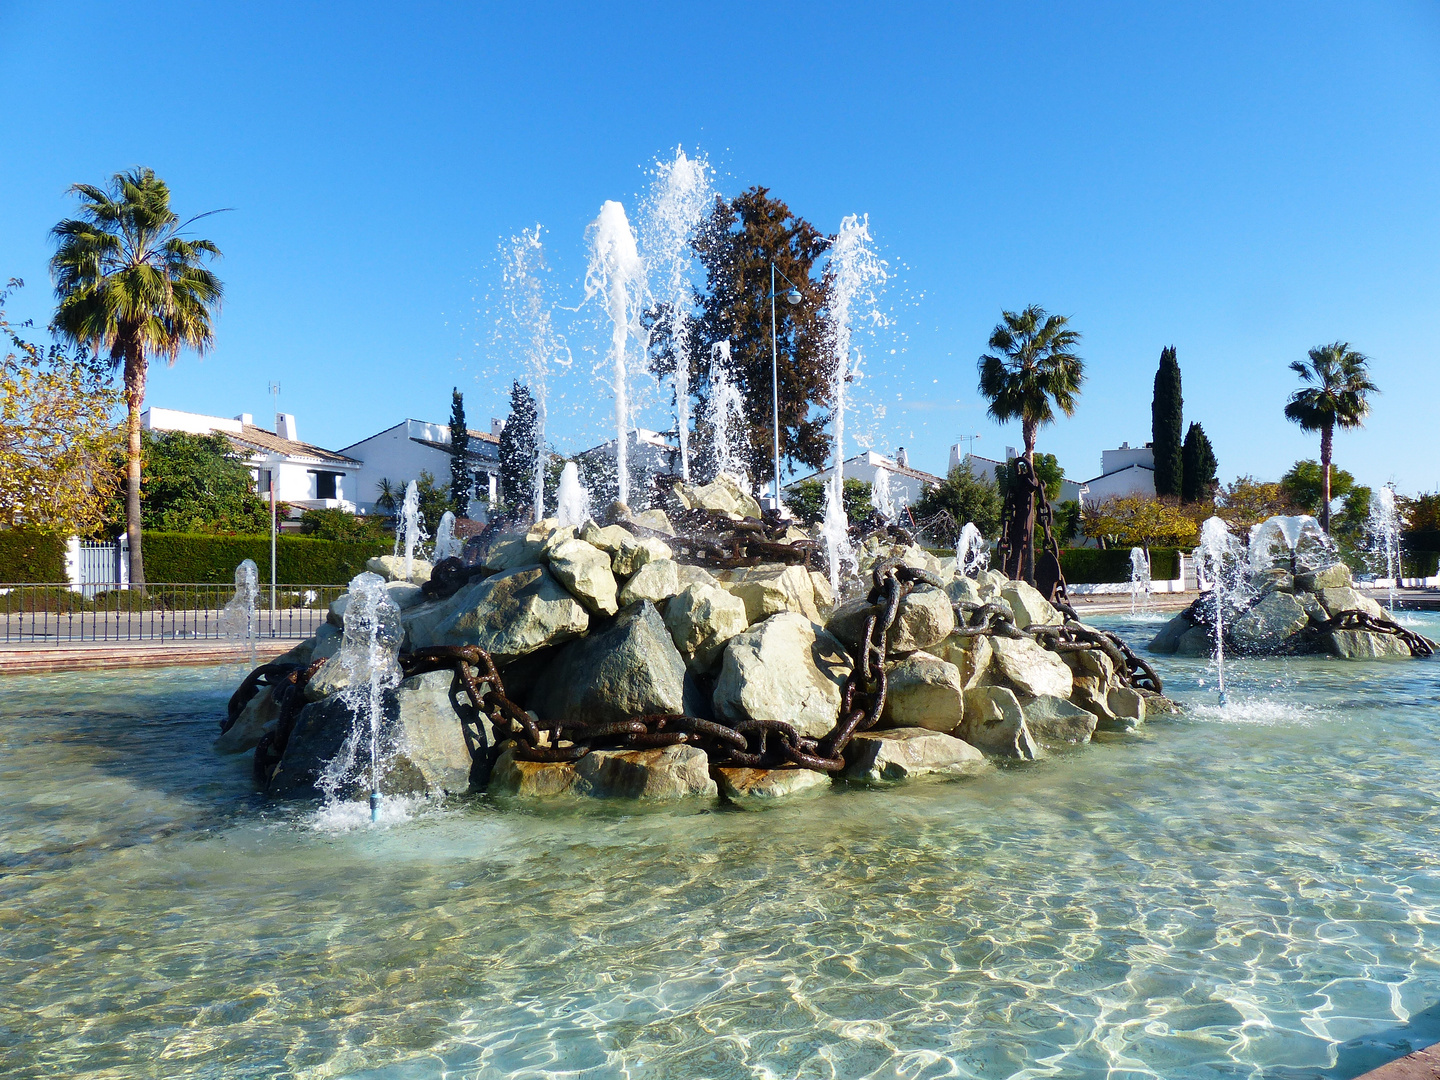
x: 573, y: 501
x: 1216, y: 545
x: 679, y: 198
x: 880, y: 496
x: 617, y: 271
x: 369, y: 656
x: 1139, y: 582
x: 1295, y: 542
x: 855, y: 273
x: 726, y: 414
x: 1382, y: 528
x: 972, y: 551
x: 447, y: 544
x: 412, y: 527
x: 237, y: 618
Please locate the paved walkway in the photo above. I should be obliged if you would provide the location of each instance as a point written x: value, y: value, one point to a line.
x: 93, y: 655
x: 1421, y: 1065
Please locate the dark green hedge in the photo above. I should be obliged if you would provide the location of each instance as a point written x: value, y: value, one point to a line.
x: 1092, y: 566
x: 1420, y: 563
x: 173, y: 557
x: 31, y: 555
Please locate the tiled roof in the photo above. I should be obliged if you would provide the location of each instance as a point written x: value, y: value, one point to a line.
x: 251, y: 437
x: 445, y: 446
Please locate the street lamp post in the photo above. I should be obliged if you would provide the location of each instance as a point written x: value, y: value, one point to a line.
x: 792, y: 297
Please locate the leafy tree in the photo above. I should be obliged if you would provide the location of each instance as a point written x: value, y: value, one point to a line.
x: 1338, y: 398
x: 195, y: 484
x: 517, y: 449
x: 130, y: 284
x: 806, y: 500
x: 461, y: 479
x: 1350, y: 525
x: 1304, y: 484
x: 391, y: 495
x: 1421, y: 513
x: 1047, y: 468
x: 434, y: 498
x: 336, y: 524
x: 1248, y: 501
x: 1198, y: 481
x: 1032, y: 371
x: 1067, y: 521
x: 56, y: 435
x: 1166, y: 416
x: 965, y: 497
x: 736, y: 247
x: 1138, y: 521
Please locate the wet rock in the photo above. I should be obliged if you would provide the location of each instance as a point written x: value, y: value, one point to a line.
x: 722, y: 494
x: 972, y: 656
x: 1195, y: 642
x: 655, y: 581
x: 1159, y: 704
x: 964, y: 590
x: 404, y: 594
x: 769, y: 590
x: 1266, y: 625
x: 1127, y: 704
x: 672, y: 772
x: 510, y: 615
x: 511, y: 552
x: 1364, y: 645
x: 1332, y: 577
x: 585, y: 571
x: 257, y: 718
x: 1092, y: 664
x: 924, y: 691
x: 629, y: 668
x: 785, y: 668
x: 330, y: 679
x: 701, y: 619
x: 555, y: 538
x: 923, y: 620
x: 1093, y: 696
x: 903, y: 753
x: 1336, y: 600
x: 1030, y: 608
x: 757, y: 787
x: 532, y: 779
x: 392, y: 568
x: 319, y: 734
x: 823, y: 594
x: 1054, y: 721
x: 654, y: 519
x: 335, y: 613
x: 444, y: 743
x: 1168, y: 639
x: 696, y: 575
x: 647, y: 549
x: 1030, y: 668
x: 995, y: 723
x: 847, y: 621
x: 303, y: 652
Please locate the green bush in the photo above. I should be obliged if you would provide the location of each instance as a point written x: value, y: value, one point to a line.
x: 196, y: 557
x: 1093, y: 566
x: 31, y: 555
x: 1420, y: 563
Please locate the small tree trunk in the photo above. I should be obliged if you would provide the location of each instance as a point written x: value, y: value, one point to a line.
x: 1327, y: 445
x: 134, y: 399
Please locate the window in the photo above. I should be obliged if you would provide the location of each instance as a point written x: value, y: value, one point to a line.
x: 262, y: 482
x: 326, y: 484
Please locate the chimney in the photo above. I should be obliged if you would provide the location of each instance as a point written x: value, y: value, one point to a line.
x: 902, y: 458
x: 285, y: 426
x: 1010, y: 454
x: 496, y: 426
x: 246, y: 418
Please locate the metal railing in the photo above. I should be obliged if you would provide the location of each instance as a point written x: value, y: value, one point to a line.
x: 58, y: 613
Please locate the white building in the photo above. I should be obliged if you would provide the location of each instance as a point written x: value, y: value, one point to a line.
x: 401, y: 453
x: 983, y: 468
x: 647, y: 454
x: 906, y: 484
x: 1129, y: 470
x: 306, y: 477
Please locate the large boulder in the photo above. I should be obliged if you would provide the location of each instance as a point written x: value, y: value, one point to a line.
x: 1343, y: 598
x: 924, y: 691
x: 695, y: 575
x: 630, y: 668
x: 654, y: 519
x: 1030, y: 608
x: 701, y: 619
x: 444, y: 743
x: 585, y: 570
x: 513, y: 551
x: 1195, y: 642
x: 509, y: 616
x: 769, y: 590
x: 1029, y: 668
x: 1054, y: 721
x: 1331, y: 577
x: 331, y: 678
x: 392, y: 568
x: 1128, y: 705
x: 1093, y: 695
x: 259, y: 716
x: 971, y: 655
x: 656, y: 581
x: 923, y: 619
x: 757, y: 787
x: 671, y: 772
x: 1168, y: 639
x: 1365, y: 645
x: 824, y: 595
x: 903, y: 753
x: 315, y: 741
x: 785, y: 668
x: 995, y: 723
x: 723, y: 494
x: 533, y: 779
x: 1269, y: 623
x: 847, y: 621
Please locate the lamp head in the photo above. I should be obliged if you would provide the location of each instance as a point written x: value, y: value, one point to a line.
x: 792, y: 297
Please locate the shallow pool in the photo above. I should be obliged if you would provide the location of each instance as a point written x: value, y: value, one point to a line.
x: 1251, y: 892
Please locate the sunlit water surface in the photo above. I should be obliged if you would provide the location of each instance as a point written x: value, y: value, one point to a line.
x: 1242, y: 892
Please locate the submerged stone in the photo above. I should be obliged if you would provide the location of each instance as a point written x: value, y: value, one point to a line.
x: 1054, y: 721
x: 752, y: 787
x: 902, y: 753
x: 995, y: 723
x: 1365, y: 645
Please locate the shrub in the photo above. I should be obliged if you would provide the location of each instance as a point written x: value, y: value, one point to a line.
x: 1094, y: 566
x: 31, y: 555
x: 195, y: 557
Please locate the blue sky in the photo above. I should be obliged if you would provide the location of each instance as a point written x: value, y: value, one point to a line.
x: 1242, y: 181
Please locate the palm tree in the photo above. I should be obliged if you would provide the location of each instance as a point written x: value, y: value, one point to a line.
x: 1339, y: 398
x: 1032, y: 365
x: 128, y: 282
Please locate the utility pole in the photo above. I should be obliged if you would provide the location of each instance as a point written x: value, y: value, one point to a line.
x: 274, y: 518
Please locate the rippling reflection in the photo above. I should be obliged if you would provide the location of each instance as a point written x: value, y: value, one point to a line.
x: 1242, y: 892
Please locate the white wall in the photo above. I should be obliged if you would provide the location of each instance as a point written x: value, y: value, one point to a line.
x: 1132, y: 481
x: 393, y: 454
x: 1125, y: 456
x: 904, y: 489
x: 153, y: 419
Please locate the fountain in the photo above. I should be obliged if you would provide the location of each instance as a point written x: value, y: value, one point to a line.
x: 726, y: 414
x: 447, y: 544
x: 573, y: 501
x: 368, y: 656
x: 410, y: 530
x: 1139, y: 582
x: 881, y: 498
x: 617, y: 271
x: 1215, y: 548
x: 1383, y: 529
x: 679, y: 198
x: 972, y: 551
x: 237, y: 618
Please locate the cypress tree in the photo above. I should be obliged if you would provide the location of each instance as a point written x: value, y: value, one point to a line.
x: 1200, y: 466
x: 461, y: 479
x: 1165, y: 419
x: 517, y: 449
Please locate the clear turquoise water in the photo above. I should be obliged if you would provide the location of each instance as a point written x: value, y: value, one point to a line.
x: 1248, y: 893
